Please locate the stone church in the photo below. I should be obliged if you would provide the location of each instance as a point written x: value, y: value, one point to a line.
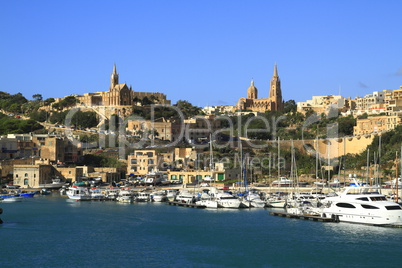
x: 118, y: 95
x: 273, y: 103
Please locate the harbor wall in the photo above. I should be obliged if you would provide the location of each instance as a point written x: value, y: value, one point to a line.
x: 332, y: 148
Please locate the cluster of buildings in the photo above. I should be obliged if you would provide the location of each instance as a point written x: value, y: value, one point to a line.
x: 32, y: 160
x: 376, y: 112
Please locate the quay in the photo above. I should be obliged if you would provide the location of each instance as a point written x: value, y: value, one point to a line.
x: 180, y: 204
x: 302, y: 217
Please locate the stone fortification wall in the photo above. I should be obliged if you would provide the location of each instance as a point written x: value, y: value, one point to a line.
x: 331, y: 147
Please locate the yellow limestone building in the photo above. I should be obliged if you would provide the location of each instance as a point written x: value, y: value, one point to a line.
x: 118, y: 95
x: 273, y: 103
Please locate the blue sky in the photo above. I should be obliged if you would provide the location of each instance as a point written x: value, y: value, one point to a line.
x: 205, y: 52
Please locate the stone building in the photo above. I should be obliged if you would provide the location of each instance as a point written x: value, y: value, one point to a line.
x: 142, y: 162
x: 372, y: 103
x: 323, y: 104
x: 118, y: 95
x: 273, y: 103
x: 161, y: 128
x: 57, y: 149
x: 393, y: 100
x: 31, y: 176
x: 375, y: 124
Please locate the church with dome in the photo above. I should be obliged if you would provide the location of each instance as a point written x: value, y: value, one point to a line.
x: 273, y: 103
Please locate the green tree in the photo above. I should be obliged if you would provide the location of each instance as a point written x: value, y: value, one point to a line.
x: 48, y: 101
x: 346, y: 125
x: 290, y: 106
x: 40, y: 116
x: 84, y: 119
x: 37, y: 97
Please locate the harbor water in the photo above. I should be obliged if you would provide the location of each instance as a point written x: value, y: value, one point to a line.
x: 53, y: 231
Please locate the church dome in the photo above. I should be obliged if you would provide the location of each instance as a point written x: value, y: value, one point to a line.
x: 252, y: 92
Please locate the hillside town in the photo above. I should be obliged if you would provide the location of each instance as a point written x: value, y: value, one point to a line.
x: 135, y: 135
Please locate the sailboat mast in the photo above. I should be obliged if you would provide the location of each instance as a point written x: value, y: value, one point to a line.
x: 211, y: 158
x: 316, y: 162
x: 344, y: 161
x: 397, y: 182
x: 379, y: 160
x: 368, y: 166
x: 279, y: 165
x: 396, y: 177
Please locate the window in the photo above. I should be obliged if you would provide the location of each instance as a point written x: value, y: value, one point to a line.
x: 345, y: 205
x: 378, y: 198
x: 369, y: 206
x: 26, y: 181
x: 393, y: 207
x: 362, y: 199
x: 26, y: 175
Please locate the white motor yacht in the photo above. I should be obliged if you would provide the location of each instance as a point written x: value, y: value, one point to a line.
x: 364, y: 205
x: 185, y: 197
x: 254, y: 200
x: 276, y: 200
x: 282, y: 182
x: 227, y: 200
x: 207, y: 200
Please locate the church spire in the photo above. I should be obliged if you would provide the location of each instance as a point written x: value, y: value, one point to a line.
x: 114, y: 78
x: 275, y: 93
x: 275, y: 71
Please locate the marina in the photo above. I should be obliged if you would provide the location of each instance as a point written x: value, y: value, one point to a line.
x: 155, y: 234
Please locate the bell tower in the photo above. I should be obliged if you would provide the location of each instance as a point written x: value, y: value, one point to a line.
x: 275, y: 93
x: 114, y: 78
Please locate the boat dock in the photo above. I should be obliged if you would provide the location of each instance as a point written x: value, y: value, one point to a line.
x: 190, y: 205
x: 302, y: 217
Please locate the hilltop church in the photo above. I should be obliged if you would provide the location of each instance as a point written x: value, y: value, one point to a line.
x: 118, y: 95
x: 273, y: 103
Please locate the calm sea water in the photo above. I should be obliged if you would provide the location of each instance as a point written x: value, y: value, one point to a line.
x: 53, y: 231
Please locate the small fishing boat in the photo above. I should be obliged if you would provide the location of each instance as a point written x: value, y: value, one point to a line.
x: 45, y: 191
x: 142, y: 197
x: 125, y: 196
x: 159, y: 196
x: 78, y: 193
x: 96, y: 194
x: 30, y: 194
